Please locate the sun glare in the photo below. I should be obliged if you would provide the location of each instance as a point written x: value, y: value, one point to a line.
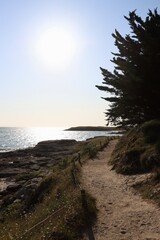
x: 55, y: 48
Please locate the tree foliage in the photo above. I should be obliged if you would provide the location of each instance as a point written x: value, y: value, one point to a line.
x: 134, y: 85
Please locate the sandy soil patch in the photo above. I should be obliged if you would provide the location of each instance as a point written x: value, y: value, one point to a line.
x: 123, y: 214
x: 3, y: 185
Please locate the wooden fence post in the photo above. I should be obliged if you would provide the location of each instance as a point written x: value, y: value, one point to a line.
x: 87, y: 217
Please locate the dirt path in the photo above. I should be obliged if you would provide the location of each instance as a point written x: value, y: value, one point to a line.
x: 123, y: 214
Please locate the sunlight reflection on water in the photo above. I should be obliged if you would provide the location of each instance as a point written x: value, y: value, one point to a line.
x: 18, y: 138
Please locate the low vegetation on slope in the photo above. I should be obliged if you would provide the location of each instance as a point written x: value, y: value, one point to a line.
x: 54, y: 209
x: 137, y: 152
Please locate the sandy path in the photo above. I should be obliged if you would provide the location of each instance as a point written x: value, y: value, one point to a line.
x: 3, y: 185
x: 123, y: 214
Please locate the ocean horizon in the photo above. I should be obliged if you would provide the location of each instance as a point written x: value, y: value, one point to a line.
x: 13, y: 138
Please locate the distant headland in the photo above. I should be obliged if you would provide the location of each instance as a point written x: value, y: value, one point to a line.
x: 92, y: 128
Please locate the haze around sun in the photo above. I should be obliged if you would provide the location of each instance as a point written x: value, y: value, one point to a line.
x: 51, y: 52
x: 55, y: 48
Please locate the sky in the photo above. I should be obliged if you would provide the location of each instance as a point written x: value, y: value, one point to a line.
x: 51, y: 52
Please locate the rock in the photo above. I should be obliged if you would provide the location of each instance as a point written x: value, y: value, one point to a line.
x: 1, y: 219
x: 1, y: 201
x: 13, y: 187
x: 123, y: 231
x: 9, y: 173
x: 35, y: 167
x: 3, y: 193
x: 36, y: 180
x: 23, y: 170
x: 17, y: 201
x: 54, y: 145
x: 8, y: 200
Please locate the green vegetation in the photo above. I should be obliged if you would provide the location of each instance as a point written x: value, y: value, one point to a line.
x: 134, y: 85
x: 54, y: 210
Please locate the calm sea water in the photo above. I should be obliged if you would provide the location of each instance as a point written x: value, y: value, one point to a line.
x: 20, y: 138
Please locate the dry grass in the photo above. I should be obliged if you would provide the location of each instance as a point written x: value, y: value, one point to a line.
x: 136, y: 151
x: 57, y: 201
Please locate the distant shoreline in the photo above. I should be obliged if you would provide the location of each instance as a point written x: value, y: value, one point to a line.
x: 92, y: 128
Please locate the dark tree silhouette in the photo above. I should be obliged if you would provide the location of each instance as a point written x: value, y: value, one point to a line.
x: 134, y: 84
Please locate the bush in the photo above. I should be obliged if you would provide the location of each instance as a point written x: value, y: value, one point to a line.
x: 151, y: 131
x: 138, y: 150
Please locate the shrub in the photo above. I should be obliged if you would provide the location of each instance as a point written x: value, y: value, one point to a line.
x: 151, y: 131
x: 137, y: 151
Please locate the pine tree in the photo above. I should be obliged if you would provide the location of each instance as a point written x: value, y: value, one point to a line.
x: 134, y: 84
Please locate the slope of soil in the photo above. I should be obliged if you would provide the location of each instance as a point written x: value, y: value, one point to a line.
x: 123, y: 214
x: 138, y: 151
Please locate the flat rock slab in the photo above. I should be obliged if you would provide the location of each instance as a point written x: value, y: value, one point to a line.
x: 44, y: 154
x: 19, y: 169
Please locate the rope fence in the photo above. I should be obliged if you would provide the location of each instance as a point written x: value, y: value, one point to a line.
x: 77, y: 158
x: 83, y: 199
x: 39, y: 223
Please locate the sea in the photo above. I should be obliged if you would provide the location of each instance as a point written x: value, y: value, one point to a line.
x: 13, y: 138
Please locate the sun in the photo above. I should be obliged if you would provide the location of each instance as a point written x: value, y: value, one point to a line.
x: 55, y: 48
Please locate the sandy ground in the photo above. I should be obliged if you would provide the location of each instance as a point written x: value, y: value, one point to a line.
x: 3, y: 185
x: 123, y: 214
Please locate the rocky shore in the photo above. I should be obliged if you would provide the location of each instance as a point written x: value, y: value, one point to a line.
x: 22, y: 171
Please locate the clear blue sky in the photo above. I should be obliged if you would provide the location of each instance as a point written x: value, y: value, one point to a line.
x: 35, y: 90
